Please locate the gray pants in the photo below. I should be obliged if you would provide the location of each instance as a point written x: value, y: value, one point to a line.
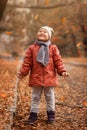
x: 36, y: 96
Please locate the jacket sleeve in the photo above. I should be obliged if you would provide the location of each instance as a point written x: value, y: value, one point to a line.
x: 58, y: 63
x: 27, y: 62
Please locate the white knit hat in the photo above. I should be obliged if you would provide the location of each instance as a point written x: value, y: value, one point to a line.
x: 49, y: 30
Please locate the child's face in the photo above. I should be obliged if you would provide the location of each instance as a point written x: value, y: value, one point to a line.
x: 42, y: 35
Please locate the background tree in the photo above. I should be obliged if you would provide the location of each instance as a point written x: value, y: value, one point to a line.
x: 67, y: 17
x: 3, y: 4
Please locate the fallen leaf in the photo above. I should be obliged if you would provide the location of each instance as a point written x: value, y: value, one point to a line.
x: 46, y: 2
x: 62, y: 98
x: 9, y: 33
x: 63, y: 19
x: 85, y: 103
x: 36, y: 16
x: 3, y: 95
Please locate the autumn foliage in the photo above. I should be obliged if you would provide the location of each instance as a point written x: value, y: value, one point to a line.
x: 71, y: 98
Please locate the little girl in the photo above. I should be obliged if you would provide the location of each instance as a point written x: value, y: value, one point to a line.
x: 42, y: 62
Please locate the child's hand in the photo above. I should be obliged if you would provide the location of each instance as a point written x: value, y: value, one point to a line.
x: 19, y: 75
x: 65, y: 74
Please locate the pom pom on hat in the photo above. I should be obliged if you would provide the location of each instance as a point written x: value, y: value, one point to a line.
x: 49, y: 30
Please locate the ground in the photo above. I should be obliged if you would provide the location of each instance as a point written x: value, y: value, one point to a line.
x: 70, y: 95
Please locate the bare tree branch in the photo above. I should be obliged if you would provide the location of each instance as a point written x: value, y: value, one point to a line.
x: 41, y: 7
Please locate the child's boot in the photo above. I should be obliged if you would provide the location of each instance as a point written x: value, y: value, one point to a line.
x: 32, y: 118
x: 51, y: 117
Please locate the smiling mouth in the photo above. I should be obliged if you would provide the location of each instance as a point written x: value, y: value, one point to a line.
x: 41, y: 35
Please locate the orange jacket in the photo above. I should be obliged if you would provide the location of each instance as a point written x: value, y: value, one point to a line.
x: 40, y: 75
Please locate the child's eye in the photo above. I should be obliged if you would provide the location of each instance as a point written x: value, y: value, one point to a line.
x: 40, y: 31
x: 45, y: 32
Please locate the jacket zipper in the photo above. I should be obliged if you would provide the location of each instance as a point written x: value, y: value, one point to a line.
x: 43, y: 75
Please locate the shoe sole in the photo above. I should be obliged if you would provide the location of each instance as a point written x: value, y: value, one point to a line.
x: 30, y: 123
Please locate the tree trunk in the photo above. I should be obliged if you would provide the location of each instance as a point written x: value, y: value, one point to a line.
x: 3, y: 4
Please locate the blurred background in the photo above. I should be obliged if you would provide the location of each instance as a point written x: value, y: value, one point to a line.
x: 21, y: 19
